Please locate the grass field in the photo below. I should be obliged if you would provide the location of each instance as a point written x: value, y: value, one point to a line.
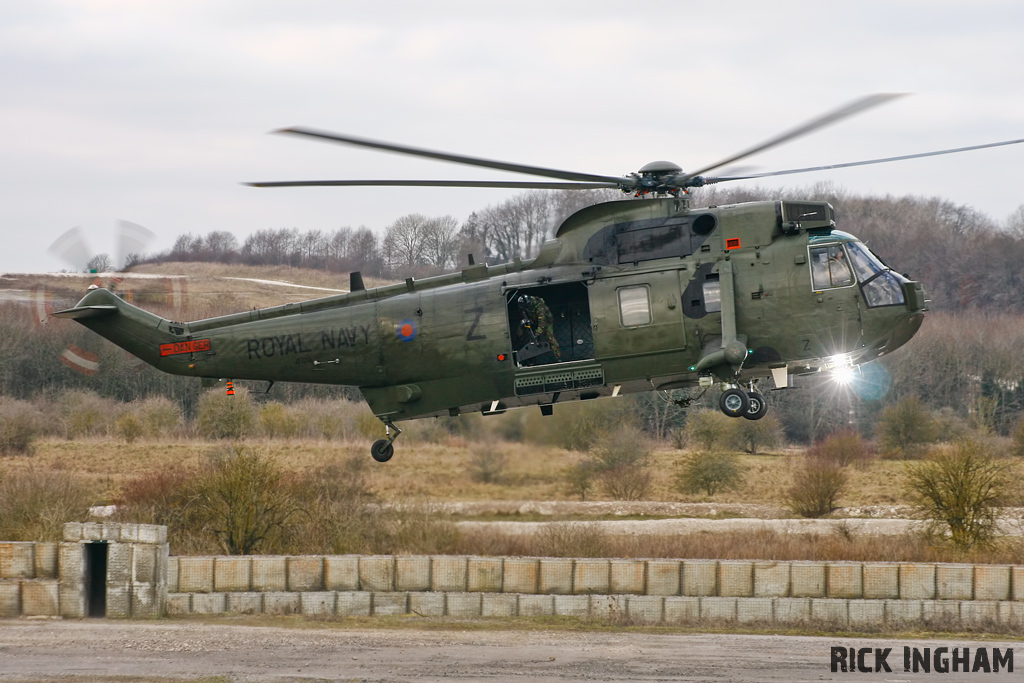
x: 444, y: 472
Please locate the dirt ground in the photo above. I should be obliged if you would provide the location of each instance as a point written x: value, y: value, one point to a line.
x: 100, y: 651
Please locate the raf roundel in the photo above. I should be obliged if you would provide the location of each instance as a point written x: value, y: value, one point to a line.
x: 407, y: 330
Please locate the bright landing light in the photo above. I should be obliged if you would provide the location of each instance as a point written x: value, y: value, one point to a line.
x: 841, y: 368
x: 843, y: 374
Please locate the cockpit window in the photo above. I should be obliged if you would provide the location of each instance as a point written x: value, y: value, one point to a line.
x: 830, y: 267
x: 880, y: 285
x: 865, y: 263
x: 885, y: 289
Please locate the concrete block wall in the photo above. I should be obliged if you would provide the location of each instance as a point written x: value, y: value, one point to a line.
x: 28, y: 580
x: 585, y: 576
x: 836, y: 613
x: 839, y: 594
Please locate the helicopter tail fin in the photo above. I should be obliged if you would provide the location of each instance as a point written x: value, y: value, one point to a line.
x: 136, y: 331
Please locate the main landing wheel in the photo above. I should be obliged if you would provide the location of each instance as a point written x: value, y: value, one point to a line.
x: 758, y: 408
x: 734, y: 402
x: 382, y: 450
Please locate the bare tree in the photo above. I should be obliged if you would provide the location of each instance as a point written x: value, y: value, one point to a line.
x: 441, y: 242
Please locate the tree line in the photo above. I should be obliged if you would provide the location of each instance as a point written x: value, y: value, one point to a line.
x: 966, y: 259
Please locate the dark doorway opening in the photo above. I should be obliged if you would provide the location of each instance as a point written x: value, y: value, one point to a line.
x: 96, y: 579
x: 550, y: 324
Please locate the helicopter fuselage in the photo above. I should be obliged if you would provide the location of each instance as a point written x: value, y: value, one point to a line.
x: 630, y: 296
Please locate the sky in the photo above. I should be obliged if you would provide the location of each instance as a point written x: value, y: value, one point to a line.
x: 155, y: 112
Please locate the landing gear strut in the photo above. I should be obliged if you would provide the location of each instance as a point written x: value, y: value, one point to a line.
x: 736, y: 402
x: 383, y: 449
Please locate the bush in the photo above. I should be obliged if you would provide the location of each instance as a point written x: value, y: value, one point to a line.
x: 960, y: 489
x: 242, y: 500
x: 35, y: 504
x: 710, y: 473
x: 905, y: 428
x: 281, y: 422
x: 225, y: 417
x: 128, y: 427
x: 333, y: 419
x: 753, y: 435
x: 580, y: 476
x: 708, y: 430
x: 159, y: 416
x: 621, y: 460
x: 843, y: 448
x: 20, y: 427
x: 572, y: 539
x: 487, y: 464
x: 86, y: 413
x: 816, y: 486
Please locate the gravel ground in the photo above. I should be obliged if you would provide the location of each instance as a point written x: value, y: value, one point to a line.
x: 99, y: 651
x: 674, y: 527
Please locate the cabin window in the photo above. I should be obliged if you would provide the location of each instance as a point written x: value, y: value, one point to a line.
x: 634, y: 306
x: 830, y: 267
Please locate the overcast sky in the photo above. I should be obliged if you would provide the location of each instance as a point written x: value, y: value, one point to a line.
x: 155, y: 111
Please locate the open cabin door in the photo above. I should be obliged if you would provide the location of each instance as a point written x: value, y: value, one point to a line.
x: 550, y: 324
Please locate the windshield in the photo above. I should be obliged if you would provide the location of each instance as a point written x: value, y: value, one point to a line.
x: 865, y: 263
x: 880, y: 285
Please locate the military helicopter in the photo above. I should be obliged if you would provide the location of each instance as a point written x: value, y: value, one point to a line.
x: 629, y: 296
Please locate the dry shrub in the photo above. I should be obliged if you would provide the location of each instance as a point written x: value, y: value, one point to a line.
x: 277, y: 421
x: 708, y: 430
x: 905, y: 428
x: 86, y: 414
x: 816, y: 486
x: 20, y: 426
x: 710, y: 473
x: 960, y: 489
x: 331, y: 419
x: 487, y: 464
x: 128, y: 427
x: 36, y: 503
x: 754, y: 435
x: 225, y: 417
x: 337, y: 516
x: 572, y: 539
x: 621, y: 459
x: 844, y: 448
x: 160, y: 417
x: 580, y: 478
x: 240, y: 498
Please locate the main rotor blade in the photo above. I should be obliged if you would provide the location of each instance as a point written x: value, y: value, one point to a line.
x: 864, y: 163
x: 456, y: 158
x: 521, y: 185
x: 855, y: 107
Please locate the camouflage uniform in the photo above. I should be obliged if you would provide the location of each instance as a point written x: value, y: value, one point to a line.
x: 542, y: 320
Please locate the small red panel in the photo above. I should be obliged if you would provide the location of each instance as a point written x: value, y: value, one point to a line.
x: 193, y: 346
x: 732, y: 243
